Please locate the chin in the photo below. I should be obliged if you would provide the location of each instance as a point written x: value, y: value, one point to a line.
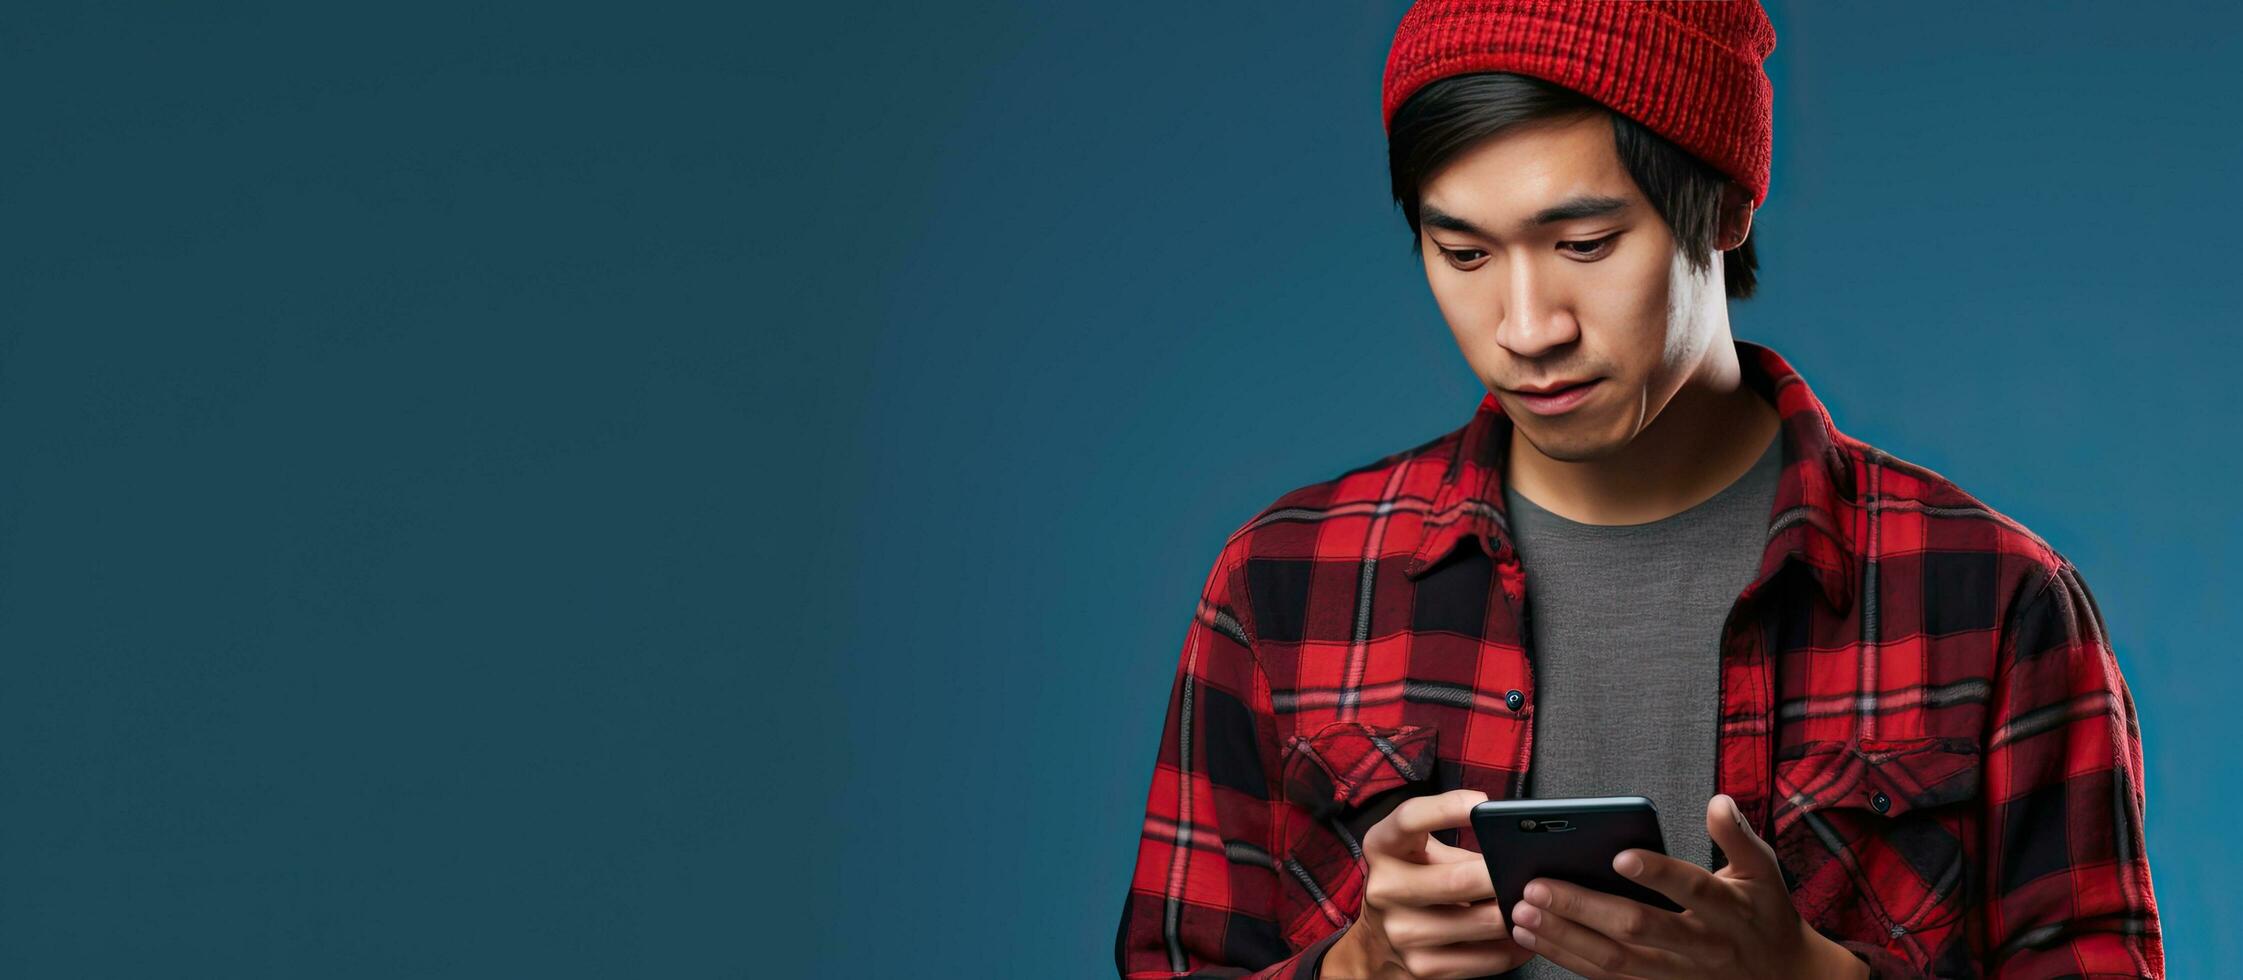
x: 1569, y: 449
x: 1575, y: 454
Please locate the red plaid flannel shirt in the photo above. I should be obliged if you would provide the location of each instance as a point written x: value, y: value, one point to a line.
x: 1920, y: 709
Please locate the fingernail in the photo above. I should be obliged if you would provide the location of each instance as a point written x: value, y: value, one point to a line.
x: 1628, y: 864
x: 1537, y: 893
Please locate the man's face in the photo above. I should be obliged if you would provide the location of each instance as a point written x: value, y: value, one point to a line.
x: 1605, y: 294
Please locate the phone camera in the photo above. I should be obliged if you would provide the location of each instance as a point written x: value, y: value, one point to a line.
x: 1526, y: 825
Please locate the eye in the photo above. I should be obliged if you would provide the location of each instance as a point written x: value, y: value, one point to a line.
x: 1458, y: 255
x: 1597, y: 250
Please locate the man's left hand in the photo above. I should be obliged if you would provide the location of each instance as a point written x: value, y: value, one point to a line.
x: 1736, y: 922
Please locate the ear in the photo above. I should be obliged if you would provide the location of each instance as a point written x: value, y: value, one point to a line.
x: 1736, y: 216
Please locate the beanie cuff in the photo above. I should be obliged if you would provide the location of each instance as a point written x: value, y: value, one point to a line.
x: 1706, y: 96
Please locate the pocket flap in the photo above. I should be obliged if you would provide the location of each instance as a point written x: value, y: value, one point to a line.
x: 1345, y: 763
x: 1887, y: 777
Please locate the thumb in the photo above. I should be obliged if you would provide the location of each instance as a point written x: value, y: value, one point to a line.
x: 1749, y: 856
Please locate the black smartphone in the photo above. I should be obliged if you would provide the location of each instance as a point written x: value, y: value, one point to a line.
x: 1571, y: 840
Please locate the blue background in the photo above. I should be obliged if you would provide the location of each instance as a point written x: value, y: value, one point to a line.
x: 718, y: 490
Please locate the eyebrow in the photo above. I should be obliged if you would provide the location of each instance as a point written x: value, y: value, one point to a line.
x: 1586, y: 206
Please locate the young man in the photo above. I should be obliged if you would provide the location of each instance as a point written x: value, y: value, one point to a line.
x: 1896, y: 709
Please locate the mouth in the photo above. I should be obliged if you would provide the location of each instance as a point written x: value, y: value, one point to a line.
x: 1560, y: 400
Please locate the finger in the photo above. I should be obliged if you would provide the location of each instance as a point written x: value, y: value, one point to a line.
x: 1401, y: 882
x: 1581, y: 949
x: 1624, y: 919
x: 1749, y: 856
x: 1690, y: 886
x: 1403, y: 833
x: 1482, y: 959
x: 1443, y: 925
x: 1443, y: 853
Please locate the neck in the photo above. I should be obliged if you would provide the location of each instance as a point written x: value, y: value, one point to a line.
x: 1709, y: 434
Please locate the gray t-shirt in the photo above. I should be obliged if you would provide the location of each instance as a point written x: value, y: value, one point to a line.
x: 1624, y: 635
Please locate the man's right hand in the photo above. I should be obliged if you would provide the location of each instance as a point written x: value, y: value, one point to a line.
x: 1429, y: 910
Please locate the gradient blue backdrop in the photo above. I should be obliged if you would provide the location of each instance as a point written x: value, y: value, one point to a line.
x: 718, y: 490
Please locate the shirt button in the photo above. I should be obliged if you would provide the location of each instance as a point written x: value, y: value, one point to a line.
x: 1880, y: 802
x: 1513, y: 699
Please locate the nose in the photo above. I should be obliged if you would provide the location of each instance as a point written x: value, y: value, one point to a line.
x: 1534, y: 320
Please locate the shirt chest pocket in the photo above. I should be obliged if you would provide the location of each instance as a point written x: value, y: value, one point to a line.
x: 1874, y: 832
x: 1339, y: 781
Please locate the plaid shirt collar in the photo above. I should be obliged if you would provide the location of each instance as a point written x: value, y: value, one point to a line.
x: 1814, y: 496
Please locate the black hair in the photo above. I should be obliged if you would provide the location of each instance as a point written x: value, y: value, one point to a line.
x: 1450, y: 114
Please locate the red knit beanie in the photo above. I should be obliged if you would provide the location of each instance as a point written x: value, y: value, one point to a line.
x: 1689, y: 70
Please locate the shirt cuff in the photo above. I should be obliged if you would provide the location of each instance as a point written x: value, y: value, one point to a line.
x: 1883, y: 965
x: 1310, y: 960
